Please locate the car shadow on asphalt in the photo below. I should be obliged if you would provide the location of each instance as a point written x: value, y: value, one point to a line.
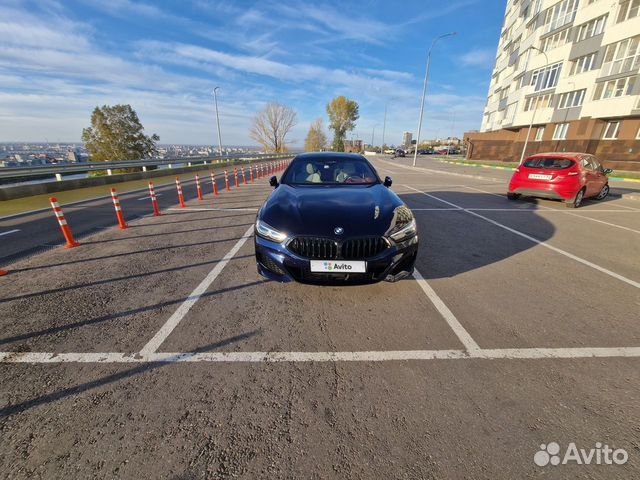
x: 175, y: 215
x: 455, y: 242
x: 109, y: 379
x: 164, y: 233
x: 124, y: 254
x: 117, y: 279
x: 106, y: 318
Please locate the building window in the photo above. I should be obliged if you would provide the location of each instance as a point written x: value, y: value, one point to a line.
x: 615, y: 88
x: 555, y: 40
x: 611, y: 131
x: 622, y: 57
x: 560, y: 133
x: 591, y: 28
x: 572, y: 99
x: 583, y: 64
x: 539, y: 134
x: 560, y: 14
x: 638, y: 135
x: 547, y: 77
x: 540, y: 101
x: 628, y: 9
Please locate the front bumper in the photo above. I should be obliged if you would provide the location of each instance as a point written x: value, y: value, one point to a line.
x: 276, y: 262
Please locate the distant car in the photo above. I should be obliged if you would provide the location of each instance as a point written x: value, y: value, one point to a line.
x: 570, y: 177
x: 426, y: 151
x: 447, y: 151
x: 399, y: 153
x: 332, y: 220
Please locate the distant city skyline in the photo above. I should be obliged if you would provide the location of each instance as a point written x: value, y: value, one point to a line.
x: 60, y: 60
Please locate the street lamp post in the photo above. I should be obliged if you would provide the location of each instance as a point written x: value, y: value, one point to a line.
x: 424, y: 92
x: 384, y: 127
x: 535, y: 109
x: 373, y: 134
x: 215, y: 99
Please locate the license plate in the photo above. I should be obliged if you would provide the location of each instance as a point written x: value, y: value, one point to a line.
x: 338, y: 266
x: 539, y: 176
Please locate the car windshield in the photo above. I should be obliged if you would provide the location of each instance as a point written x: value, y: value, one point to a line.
x: 330, y: 171
x: 548, y: 163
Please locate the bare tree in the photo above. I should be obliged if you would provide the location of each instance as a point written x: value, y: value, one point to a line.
x: 271, y: 125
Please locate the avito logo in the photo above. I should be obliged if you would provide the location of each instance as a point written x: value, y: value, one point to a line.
x: 342, y: 266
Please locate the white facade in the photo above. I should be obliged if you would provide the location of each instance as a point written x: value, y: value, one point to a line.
x: 591, y: 55
x: 407, y: 137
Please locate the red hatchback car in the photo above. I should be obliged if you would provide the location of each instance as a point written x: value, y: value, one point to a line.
x: 570, y: 177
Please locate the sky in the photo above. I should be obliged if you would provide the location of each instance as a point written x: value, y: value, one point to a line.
x: 60, y: 59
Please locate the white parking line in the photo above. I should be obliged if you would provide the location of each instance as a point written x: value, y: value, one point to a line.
x: 9, y: 232
x: 626, y: 280
x: 448, y: 316
x: 358, y: 356
x: 573, y: 214
x: 183, y: 309
x: 538, y: 210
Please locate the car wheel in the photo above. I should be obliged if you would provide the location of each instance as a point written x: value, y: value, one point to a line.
x: 577, y: 201
x: 603, y: 193
x: 513, y: 196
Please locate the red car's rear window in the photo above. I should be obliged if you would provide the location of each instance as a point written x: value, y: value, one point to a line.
x: 548, y: 163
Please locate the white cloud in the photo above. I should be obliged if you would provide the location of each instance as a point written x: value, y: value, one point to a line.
x: 479, y: 57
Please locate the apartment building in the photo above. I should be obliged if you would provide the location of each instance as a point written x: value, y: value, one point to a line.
x: 407, y: 138
x: 566, y: 76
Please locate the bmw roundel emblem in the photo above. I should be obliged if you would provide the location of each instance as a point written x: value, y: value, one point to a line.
x: 338, y: 230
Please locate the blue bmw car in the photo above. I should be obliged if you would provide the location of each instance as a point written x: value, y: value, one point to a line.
x: 332, y: 220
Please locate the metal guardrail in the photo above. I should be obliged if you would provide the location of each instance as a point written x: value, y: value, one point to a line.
x: 44, y: 170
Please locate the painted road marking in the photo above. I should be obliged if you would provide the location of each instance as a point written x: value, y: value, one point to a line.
x: 358, y: 356
x: 198, y: 209
x: 148, y: 197
x: 420, y: 169
x: 9, y: 232
x: 539, y: 210
x: 447, y: 314
x: 626, y: 280
x: 573, y: 214
x: 184, y: 308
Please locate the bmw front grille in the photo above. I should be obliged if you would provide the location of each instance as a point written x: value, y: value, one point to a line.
x: 328, y: 249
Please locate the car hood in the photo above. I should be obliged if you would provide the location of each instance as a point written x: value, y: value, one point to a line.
x: 318, y: 210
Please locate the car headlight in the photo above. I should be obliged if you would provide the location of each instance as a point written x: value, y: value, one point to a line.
x: 267, y: 231
x: 403, y: 225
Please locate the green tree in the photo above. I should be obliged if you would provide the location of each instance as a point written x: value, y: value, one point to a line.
x: 117, y: 134
x: 343, y: 114
x: 316, y: 140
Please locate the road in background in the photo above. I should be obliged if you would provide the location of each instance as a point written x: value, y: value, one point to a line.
x: 33, y: 232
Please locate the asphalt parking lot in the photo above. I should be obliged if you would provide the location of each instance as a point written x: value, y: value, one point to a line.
x: 158, y: 352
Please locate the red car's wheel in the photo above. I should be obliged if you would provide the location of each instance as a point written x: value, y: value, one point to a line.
x: 577, y: 201
x: 513, y: 196
x: 603, y: 193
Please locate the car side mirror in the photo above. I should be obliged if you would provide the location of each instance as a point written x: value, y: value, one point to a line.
x: 387, y: 182
x: 607, y: 171
x: 273, y: 181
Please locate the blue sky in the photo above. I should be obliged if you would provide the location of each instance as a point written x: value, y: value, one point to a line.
x: 59, y: 59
